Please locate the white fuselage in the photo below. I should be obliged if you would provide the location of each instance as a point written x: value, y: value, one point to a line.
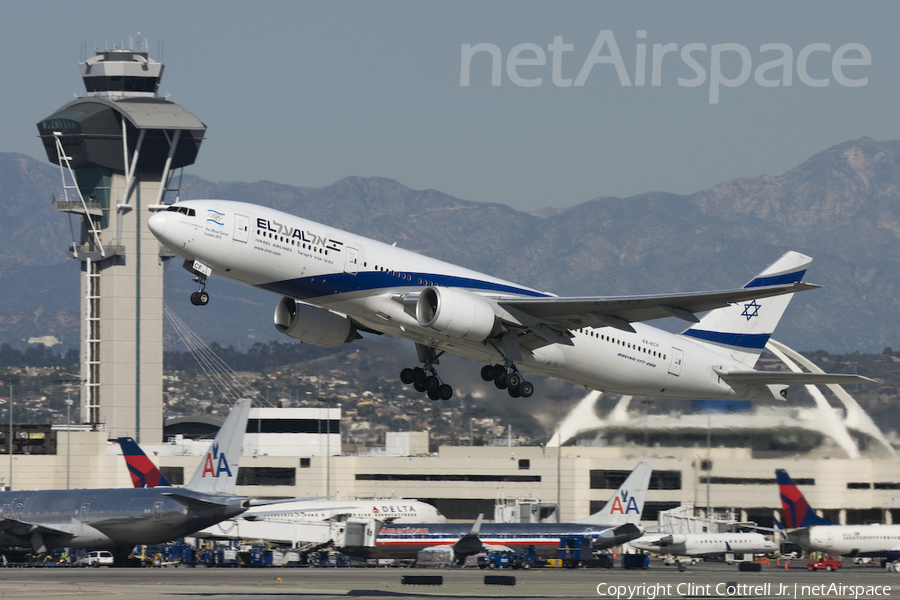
x: 366, y: 280
x: 855, y: 540
x: 703, y: 544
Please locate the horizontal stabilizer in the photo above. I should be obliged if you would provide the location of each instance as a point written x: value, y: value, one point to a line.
x: 191, y: 501
x: 751, y: 377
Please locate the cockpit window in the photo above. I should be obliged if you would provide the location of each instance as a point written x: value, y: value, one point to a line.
x: 182, y: 210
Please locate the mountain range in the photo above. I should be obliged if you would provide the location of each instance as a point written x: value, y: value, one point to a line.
x: 842, y: 207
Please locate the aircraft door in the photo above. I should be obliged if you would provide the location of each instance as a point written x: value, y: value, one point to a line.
x: 829, y: 539
x: 157, y: 511
x: 241, y: 228
x: 351, y: 264
x: 677, y: 360
x: 85, y: 511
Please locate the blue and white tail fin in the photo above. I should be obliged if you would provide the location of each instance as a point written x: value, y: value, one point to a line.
x: 627, y: 503
x: 741, y: 331
x: 218, y: 471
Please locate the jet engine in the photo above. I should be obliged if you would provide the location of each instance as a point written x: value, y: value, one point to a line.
x: 313, y: 325
x: 456, y: 313
x: 672, y: 540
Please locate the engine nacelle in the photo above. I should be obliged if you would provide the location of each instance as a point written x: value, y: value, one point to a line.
x: 312, y: 325
x: 456, y: 313
x: 675, y: 539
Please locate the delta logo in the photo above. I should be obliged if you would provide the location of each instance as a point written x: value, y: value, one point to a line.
x: 215, y: 463
x: 624, y: 504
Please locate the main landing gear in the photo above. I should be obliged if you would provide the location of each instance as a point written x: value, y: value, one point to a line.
x: 425, y: 378
x: 508, y: 378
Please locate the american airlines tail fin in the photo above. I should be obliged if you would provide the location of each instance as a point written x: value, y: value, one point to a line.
x: 627, y: 503
x: 144, y: 473
x: 218, y: 471
x: 797, y: 512
x: 740, y: 331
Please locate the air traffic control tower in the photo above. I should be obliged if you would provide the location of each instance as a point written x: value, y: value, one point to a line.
x: 117, y: 148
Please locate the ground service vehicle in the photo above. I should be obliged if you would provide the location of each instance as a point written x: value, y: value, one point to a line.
x: 830, y: 562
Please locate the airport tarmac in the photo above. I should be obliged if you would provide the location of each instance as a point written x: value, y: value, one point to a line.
x: 709, y: 580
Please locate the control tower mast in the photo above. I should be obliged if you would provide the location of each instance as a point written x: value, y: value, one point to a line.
x: 117, y: 147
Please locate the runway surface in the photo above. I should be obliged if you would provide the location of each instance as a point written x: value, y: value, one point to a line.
x: 709, y: 580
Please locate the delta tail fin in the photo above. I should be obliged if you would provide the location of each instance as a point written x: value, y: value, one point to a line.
x: 144, y: 473
x: 218, y: 471
x: 627, y: 503
x: 740, y: 331
x: 797, y: 512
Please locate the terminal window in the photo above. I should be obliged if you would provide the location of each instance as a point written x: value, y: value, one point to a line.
x: 175, y: 475
x: 605, y: 479
x: 267, y: 476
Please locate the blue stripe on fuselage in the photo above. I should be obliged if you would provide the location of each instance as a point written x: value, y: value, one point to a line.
x: 753, y: 341
x: 782, y: 279
x: 343, y: 283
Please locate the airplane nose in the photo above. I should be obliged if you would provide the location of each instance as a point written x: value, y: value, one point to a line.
x: 157, y: 223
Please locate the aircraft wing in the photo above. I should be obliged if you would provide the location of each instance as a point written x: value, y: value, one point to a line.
x: 23, y: 528
x: 753, y: 377
x: 619, y: 311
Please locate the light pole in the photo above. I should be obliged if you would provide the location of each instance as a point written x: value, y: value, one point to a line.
x: 68, y: 379
x: 10, y: 382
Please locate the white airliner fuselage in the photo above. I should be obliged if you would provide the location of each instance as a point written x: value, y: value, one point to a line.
x: 704, y: 544
x: 850, y: 540
x: 336, y: 283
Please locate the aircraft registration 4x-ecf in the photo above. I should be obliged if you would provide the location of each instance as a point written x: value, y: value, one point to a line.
x: 336, y: 285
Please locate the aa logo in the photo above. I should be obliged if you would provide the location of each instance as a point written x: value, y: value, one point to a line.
x: 624, y: 505
x: 215, y: 463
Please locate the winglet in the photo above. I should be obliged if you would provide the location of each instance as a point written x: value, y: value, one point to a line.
x: 144, y: 473
x: 627, y: 503
x: 218, y: 471
x: 797, y: 512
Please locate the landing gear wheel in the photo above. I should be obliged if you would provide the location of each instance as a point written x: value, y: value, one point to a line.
x: 432, y: 383
x: 406, y: 376
x: 419, y: 385
x: 514, y: 392
x: 419, y: 375
x: 202, y: 298
x: 513, y: 380
x: 434, y: 395
x: 445, y: 392
x: 500, y: 382
x: 194, y: 300
x: 526, y: 389
x: 487, y: 372
x: 497, y: 371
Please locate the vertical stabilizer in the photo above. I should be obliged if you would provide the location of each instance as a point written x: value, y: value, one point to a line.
x: 144, y: 473
x: 217, y: 473
x: 740, y: 331
x: 627, y: 503
x: 797, y: 512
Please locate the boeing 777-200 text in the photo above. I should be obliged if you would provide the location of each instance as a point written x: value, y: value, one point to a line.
x: 336, y: 284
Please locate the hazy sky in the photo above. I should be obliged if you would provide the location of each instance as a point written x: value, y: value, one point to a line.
x: 305, y: 93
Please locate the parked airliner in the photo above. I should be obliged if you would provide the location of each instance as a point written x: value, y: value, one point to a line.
x: 812, y: 532
x: 704, y: 544
x: 121, y: 518
x: 336, y: 284
x: 616, y: 523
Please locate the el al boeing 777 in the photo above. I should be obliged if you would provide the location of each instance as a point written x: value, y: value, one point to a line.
x: 334, y: 285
